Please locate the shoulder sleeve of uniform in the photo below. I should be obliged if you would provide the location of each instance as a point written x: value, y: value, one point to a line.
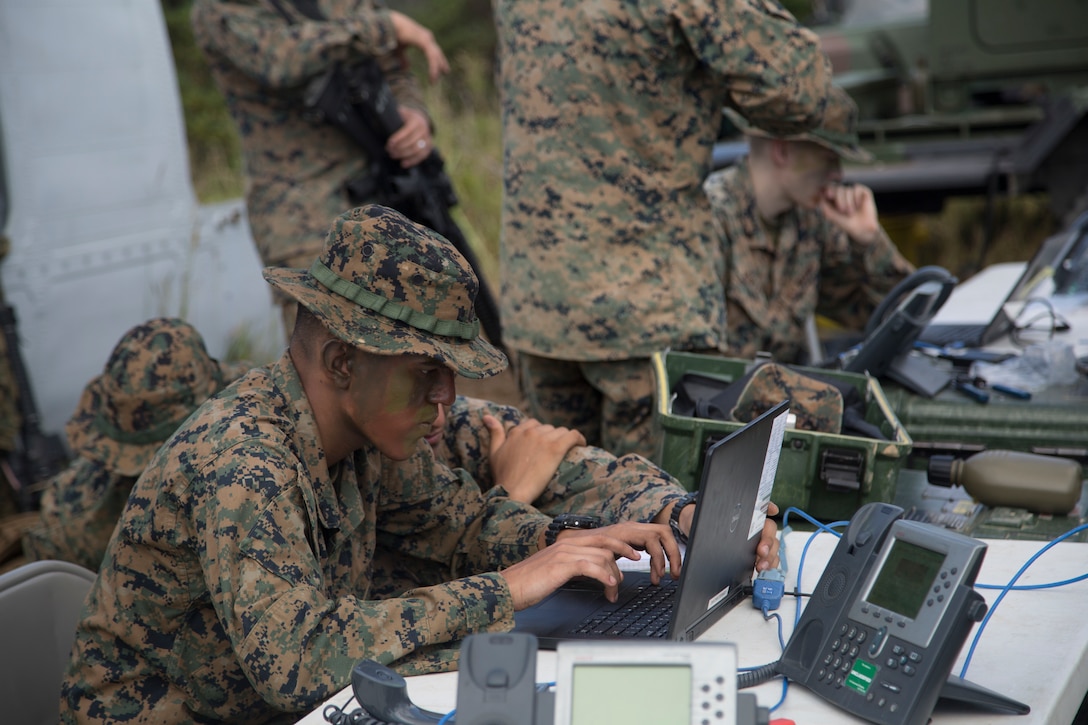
x: 260, y: 42
x: 777, y: 75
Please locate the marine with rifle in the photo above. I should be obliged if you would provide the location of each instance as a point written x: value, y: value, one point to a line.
x: 303, y: 166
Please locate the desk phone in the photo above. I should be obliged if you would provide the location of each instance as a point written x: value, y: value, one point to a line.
x: 664, y: 683
x: 888, y: 617
x: 602, y: 683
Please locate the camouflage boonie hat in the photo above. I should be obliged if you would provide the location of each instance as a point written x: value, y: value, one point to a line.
x: 157, y: 374
x: 393, y: 287
x: 818, y: 405
x: 838, y: 131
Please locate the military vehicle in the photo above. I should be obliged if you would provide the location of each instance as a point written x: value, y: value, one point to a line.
x: 964, y: 97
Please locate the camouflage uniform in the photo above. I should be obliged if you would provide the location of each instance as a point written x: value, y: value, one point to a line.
x: 296, y: 168
x: 238, y: 584
x: 775, y: 283
x: 588, y: 481
x: 609, y: 251
x: 157, y: 374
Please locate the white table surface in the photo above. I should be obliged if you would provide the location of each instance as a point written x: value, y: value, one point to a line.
x: 1034, y: 647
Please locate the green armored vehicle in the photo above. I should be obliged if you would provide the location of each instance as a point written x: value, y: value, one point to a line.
x: 964, y: 97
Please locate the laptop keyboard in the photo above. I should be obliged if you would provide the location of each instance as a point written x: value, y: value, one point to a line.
x: 969, y: 335
x: 646, y: 614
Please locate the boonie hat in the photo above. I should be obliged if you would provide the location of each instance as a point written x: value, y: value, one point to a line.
x: 157, y: 374
x: 389, y: 286
x: 838, y: 131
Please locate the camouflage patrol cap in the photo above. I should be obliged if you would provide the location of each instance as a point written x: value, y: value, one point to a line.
x: 817, y: 404
x: 393, y: 287
x: 838, y: 131
x: 157, y: 374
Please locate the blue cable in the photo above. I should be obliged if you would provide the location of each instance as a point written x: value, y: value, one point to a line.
x: 1007, y: 588
x: 804, y: 553
x: 782, y: 699
x: 1031, y: 587
x: 797, y: 584
x: 767, y: 616
x: 447, y: 717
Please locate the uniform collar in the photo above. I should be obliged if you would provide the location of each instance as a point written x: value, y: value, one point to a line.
x: 339, y: 502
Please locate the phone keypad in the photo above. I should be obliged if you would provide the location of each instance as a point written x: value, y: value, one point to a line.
x: 841, y: 653
x: 712, y: 701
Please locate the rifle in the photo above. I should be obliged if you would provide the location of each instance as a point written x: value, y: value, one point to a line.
x: 358, y: 100
x: 40, y: 455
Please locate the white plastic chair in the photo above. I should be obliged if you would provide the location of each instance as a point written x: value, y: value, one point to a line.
x: 39, y: 609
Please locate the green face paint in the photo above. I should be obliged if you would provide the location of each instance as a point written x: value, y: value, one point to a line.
x: 396, y: 400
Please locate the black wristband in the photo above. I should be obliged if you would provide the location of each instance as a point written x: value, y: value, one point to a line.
x: 674, y: 517
x: 562, y: 522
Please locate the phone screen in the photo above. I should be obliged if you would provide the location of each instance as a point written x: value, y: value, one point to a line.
x: 905, y: 578
x: 635, y: 694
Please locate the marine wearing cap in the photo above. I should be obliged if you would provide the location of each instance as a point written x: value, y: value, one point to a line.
x: 837, y: 132
x: 393, y: 287
x: 157, y: 374
x: 798, y: 241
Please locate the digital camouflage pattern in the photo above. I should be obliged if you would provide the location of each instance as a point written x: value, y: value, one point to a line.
x: 296, y: 168
x: 774, y: 285
x: 609, y: 402
x: 610, y: 112
x: 818, y: 405
x: 837, y: 132
x: 79, y: 509
x: 588, y: 481
x: 157, y: 374
x: 237, y: 585
x: 393, y: 287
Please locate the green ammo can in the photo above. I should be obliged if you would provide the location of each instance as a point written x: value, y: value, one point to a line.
x: 828, y: 476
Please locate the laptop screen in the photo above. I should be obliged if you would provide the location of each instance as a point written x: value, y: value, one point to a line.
x: 734, y: 494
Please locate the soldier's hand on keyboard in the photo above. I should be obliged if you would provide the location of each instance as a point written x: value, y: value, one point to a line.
x: 532, y: 579
x: 656, y: 540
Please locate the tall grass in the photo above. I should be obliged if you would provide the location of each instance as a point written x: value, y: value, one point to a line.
x: 468, y: 132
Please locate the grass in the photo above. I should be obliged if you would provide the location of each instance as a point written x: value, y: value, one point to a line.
x: 468, y: 131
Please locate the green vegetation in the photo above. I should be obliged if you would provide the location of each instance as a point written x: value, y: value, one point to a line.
x: 214, y: 151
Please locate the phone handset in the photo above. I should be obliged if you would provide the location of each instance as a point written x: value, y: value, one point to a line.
x: 383, y: 694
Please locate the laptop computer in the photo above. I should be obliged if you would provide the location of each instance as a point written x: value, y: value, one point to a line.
x: 738, y: 474
x: 973, y: 320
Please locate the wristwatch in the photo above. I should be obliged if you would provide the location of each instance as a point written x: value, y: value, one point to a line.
x: 674, y: 517
x: 562, y: 522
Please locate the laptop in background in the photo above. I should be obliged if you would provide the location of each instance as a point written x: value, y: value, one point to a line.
x: 738, y: 474
x: 976, y: 320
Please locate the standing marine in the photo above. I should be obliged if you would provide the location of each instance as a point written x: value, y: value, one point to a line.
x: 609, y: 249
